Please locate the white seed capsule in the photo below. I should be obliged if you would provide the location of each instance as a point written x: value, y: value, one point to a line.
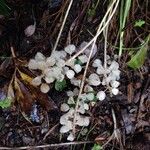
x: 71, y: 137
x: 101, y: 95
x: 97, y: 63
x: 49, y: 79
x: 70, y: 49
x: 50, y: 61
x: 90, y: 96
x: 60, y: 63
x: 33, y: 64
x: 115, y: 91
x: 39, y: 57
x: 94, y: 79
x: 88, y: 88
x: 115, y: 84
x: 83, y: 58
x: 36, y: 81
x: 77, y: 68
x: 64, y: 107
x: 44, y: 88
x: 41, y: 65
x: 64, y: 129
x: 70, y: 74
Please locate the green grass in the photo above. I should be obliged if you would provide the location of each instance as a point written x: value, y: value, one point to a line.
x: 124, y: 11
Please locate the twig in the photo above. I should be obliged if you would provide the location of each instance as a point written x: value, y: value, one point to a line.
x: 115, y: 132
x: 12, y: 52
x: 100, y: 31
x: 50, y: 130
x: 62, y: 26
x: 82, y: 85
x: 47, y: 145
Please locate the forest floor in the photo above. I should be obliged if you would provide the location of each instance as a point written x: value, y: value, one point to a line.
x: 131, y: 106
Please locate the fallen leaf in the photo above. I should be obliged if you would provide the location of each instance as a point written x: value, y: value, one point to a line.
x: 25, y: 77
x: 23, y: 96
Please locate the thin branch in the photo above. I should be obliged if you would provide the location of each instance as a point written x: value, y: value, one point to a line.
x: 62, y: 27
x: 100, y: 31
x: 47, y: 145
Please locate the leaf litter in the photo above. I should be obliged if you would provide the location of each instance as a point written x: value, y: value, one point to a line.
x: 32, y: 113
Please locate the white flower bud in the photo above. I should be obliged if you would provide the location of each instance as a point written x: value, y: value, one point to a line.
x: 70, y: 93
x: 44, y: 88
x: 71, y: 100
x: 59, y: 55
x: 39, y: 57
x: 71, y: 63
x: 64, y: 107
x: 88, y: 88
x: 64, y: 129
x: 49, y: 79
x: 82, y: 121
x: 76, y: 82
x: 33, y: 64
x: 65, y: 69
x: 114, y: 84
x: 86, y: 106
x: 70, y: 74
x: 94, y: 79
x: 100, y: 70
x: 101, y: 95
x: 115, y: 91
x: 76, y: 90
x: 83, y: 58
x: 64, y: 118
x: 36, y: 81
x: 90, y: 96
x: 114, y: 66
x: 71, y: 137
x: 116, y: 73
x: 60, y: 77
x: 77, y: 68
x: 42, y: 65
x: 88, y: 49
x: 70, y: 49
x: 50, y: 61
x: 48, y: 72
x: 60, y: 63
x: 97, y: 63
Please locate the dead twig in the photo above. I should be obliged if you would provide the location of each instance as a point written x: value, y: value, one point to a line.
x: 50, y: 131
x: 62, y: 27
x: 47, y: 145
x: 116, y: 132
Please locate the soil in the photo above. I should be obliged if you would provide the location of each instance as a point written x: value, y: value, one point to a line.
x: 131, y: 106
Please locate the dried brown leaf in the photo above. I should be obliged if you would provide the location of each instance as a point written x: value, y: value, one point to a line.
x: 23, y: 96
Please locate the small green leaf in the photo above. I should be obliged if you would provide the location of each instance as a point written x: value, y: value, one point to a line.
x: 5, y: 103
x: 138, y: 59
x: 139, y: 23
x: 78, y: 61
x: 97, y: 147
x: 60, y: 85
